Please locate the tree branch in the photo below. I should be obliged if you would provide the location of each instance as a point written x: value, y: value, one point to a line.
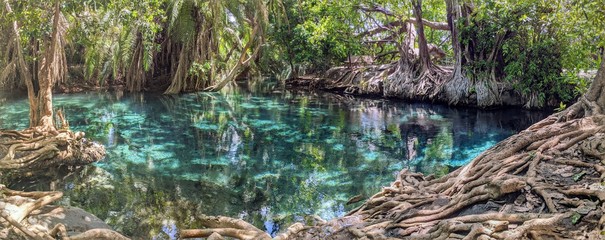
x: 434, y: 25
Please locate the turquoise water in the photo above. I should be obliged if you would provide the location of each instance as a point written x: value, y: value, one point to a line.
x: 271, y: 157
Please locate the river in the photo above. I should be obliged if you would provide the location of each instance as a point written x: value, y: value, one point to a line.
x: 270, y: 156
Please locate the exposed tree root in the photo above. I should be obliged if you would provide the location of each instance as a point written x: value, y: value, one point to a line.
x: 17, y: 206
x: 410, y: 81
x: 543, y: 183
x: 35, y: 151
x: 219, y: 227
x: 29, y: 151
x: 400, y: 79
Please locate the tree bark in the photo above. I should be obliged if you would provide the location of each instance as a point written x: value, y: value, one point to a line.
x: 458, y: 86
x: 453, y: 14
x: 423, y: 49
x: 596, y: 93
x: 50, y: 71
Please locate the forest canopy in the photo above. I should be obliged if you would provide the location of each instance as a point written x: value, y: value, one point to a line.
x: 540, y: 47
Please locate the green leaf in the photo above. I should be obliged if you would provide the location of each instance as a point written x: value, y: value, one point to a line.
x: 575, y: 218
x: 578, y: 176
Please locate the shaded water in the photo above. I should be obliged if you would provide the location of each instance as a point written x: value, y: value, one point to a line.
x: 269, y: 157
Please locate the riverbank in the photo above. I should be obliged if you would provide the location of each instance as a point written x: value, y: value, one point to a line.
x: 533, y: 185
x: 375, y: 81
x: 27, y: 214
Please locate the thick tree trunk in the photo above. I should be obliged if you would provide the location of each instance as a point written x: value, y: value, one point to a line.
x: 423, y: 49
x: 51, y: 70
x: 458, y: 86
x: 593, y: 102
x: 179, y: 78
x: 453, y: 14
x: 596, y: 93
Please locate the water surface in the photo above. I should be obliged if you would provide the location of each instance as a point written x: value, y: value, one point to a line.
x: 271, y: 157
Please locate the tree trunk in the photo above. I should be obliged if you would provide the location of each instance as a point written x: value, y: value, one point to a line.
x: 453, y: 14
x: 242, y: 62
x: 458, y: 87
x: 423, y: 49
x: 50, y: 71
x: 596, y: 93
x: 21, y: 67
x: 593, y: 102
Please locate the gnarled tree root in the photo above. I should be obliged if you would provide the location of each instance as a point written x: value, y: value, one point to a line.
x: 30, y: 151
x: 17, y: 206
x: 543, y: 183
x: 218, y: 227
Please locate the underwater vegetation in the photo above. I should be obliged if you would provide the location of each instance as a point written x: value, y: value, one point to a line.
x: 269, y: 158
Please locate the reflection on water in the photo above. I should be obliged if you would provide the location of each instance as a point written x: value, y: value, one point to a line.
x: 270, y: 158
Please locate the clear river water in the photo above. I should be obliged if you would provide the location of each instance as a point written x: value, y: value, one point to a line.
x: 269, y: 156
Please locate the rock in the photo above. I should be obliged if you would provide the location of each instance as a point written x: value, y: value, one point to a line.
x: 75, y: 219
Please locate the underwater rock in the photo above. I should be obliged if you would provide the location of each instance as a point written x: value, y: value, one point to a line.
x: 75, y: 219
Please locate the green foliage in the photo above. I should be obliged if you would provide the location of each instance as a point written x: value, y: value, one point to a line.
x: 540, y: 46
x: 562, y: 106
x: 536, y: 68
x: 182, y: 24
x: 576, y: 177
x: 317, y: 33
x: 198, y: 69
x: 523, y: 43
x: 440, y: 148
x: 108, y: 34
